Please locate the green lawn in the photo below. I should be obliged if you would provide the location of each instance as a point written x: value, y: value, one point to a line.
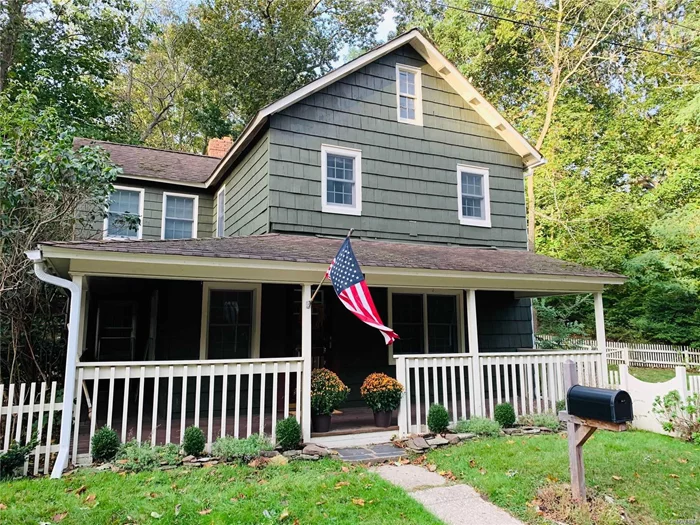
x: 651, y: 375
x: 659, y: 475
x: 310, y: 492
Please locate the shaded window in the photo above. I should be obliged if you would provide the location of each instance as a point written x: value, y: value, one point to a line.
x: 179, y: 217
x: 442, y: 324
x: 230, y: 324
x: 124, y: 214
x: 340, y: 180
x: 415, y: 315
x: 408, y: 90
x: 472, y: 195
x: 407, y: 321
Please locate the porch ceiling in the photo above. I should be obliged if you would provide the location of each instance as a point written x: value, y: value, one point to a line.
x: 304, y: 259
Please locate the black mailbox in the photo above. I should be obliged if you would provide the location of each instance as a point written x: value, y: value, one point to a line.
x: 599, y: 403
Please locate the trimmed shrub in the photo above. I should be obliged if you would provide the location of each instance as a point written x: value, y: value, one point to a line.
x: 561, y: 405
x: 105, y: 444
x: 142, y: 456
x: 14, y: 458
x: 547, y: 420
x: 481, y: 426
x: 193, y: 443
x: 288, y: 433
x: 230, y: 448
x: 438, y: 419
x: 504, y: 414
x: 328, y: 392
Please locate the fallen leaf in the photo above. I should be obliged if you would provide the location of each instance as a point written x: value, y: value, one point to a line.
x: 482, y: 471
x: 3, y: 506
x: 552, y: 479
x: 345, y: 469
x: 419, y: 460
x: 263, y: 482
x: 59, y: 517
x: 432, y: 468
x: 510, y: 442
x: 284, y: 515
x: 177, y: 509
x: 296, y: 522
x: 156, y: 515
x: 341, y: 484
x: 682, y: 460
x: 632, y: 499
x: 204, y: 512
x: 358, y: 501
x: 90, y: 498
x: 674, y: 476
x: 472, y: 463
x: 82, y: 489
x: 636, y: 475
x: 617, y: 478
x: 320, y: 502
x: 152, y: 495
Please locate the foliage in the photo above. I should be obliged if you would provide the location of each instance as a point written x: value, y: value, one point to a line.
x: 678, y: 416
x: 48, y: 190
x: 231, y: 448
x: 504, y: 414
x: 143, y: 456
x: 654, y: 477
x: 438, y: 419
x: 193, y: 442
x: 105, y: 444
x: 288, y: 433
x: 279, y: 46
x: 560, y: 406
x: 15, y: 457
x: 546, y: 420
x: 225, y: 493
x: 381, y: 392
x: 481, y: 426
x: 328, y: 392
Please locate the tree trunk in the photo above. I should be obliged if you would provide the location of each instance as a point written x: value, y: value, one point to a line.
x: 9, y: 38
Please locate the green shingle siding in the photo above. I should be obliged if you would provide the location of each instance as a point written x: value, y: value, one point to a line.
x: 408, y: 172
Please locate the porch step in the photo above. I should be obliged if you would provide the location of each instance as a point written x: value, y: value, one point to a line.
x: 355, y: 430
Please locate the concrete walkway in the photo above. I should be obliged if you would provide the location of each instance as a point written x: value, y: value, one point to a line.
x: 455, y: 504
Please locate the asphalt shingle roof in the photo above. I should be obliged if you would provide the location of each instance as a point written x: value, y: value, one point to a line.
x: 311, y: 249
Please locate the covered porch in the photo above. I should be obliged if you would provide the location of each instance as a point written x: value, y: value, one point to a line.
x: 217, y: 333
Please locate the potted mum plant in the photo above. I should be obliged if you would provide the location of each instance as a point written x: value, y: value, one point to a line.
x: 327, y: 393
x: 383, y: 395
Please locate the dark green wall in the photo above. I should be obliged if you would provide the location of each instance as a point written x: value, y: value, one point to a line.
x: 504, y: 323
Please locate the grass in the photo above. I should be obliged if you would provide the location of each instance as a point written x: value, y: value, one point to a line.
x: 310, y: 492
x: 651, y: 375
x: 653, y: 477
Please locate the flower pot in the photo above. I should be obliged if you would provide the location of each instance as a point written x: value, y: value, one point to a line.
x: 321, y: 423
x: 382, y: 419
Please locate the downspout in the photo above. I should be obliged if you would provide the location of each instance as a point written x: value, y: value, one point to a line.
x: 71, y: 358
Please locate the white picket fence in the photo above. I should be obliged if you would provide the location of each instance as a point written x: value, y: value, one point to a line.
x: 531, y: 381
x: 28, y: 410
x: 639, y: 354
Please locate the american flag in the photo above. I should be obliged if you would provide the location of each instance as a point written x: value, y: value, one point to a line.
x: 351, y: 288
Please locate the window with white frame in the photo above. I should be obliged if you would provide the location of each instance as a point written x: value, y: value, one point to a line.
x: 341, y: 180
x: 473, y: 196
x: 124, y: 218
x: 220, y: 212
x: 179, y: 216
x: 409, y: 100
x: 426, y: 322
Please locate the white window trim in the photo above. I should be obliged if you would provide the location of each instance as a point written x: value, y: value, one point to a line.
x: 222, y: 212
x: 356, y: 154
x: 473, y: 221
x: 195, y: 212
x: 105, y: 224
x: 207, y: 287
x: 418, y: 121
x: 425, y: 292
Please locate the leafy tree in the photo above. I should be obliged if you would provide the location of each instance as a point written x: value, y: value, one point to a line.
x: 47, y: 191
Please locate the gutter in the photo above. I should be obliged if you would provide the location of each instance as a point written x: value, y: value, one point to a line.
x: 71, y: 358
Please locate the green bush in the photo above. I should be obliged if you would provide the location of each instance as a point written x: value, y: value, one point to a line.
x: 678, y: 416
x: 504, y: 414
x: 547, y: 420
x: 142, y: 456
x: 193, y: 442
x: 481, y: 426
x: 561, y: 405
x: 288, y: 433
x: 105, y: 444
x: 438, y: 419
x: 14, y: 458
x: 230, y: 448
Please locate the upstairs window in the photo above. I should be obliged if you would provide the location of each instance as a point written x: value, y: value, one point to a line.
x: 179, y: 216
x: 125, y: 214
x: 473, y: 195
x: 409, y: 95
x: 220, y: 212
x: 341, y: 180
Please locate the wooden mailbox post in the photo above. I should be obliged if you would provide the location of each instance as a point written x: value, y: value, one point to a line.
x: 579, y: 431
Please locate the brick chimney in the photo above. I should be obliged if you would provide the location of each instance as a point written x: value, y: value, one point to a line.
x: 219, y: 147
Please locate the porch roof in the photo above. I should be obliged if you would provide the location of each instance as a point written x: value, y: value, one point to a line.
x: 370, y: 254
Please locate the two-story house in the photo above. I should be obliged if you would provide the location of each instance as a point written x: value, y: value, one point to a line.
x: 199, y: 315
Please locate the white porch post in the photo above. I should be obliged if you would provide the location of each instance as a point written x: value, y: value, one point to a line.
x: 473, y: 343
x: 306, y: 355
x: 600, y: 337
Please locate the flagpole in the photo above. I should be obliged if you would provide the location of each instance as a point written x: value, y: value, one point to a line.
x: 308, y: 304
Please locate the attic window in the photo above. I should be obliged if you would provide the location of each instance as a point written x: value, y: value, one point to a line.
x: 409, y: 100
x: 341, y: 180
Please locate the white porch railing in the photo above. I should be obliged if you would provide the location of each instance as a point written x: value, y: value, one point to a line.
x: 30, y: 410
x: 156, y: 401
x: 531, y: 381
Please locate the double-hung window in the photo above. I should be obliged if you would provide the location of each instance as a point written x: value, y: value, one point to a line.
x: 473, y: 196
x: 124, y: 218
x: 409, y: 100
x: 179, y: 216
x: 220, y: 211
x: 341, y: 180
x: 426, y: 322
